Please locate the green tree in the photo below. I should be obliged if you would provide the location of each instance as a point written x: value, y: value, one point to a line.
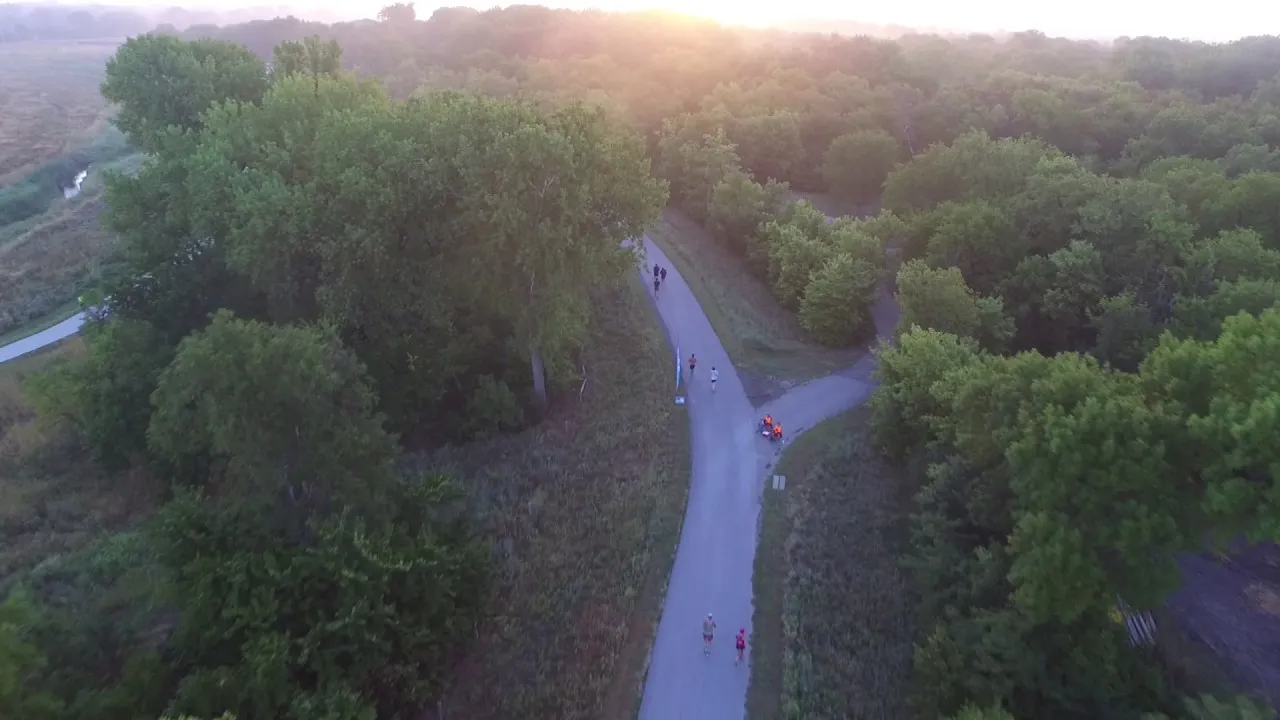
x: 974, y: 167
x: 1222, y: 391
x: 695, y: 155
x: 1125, y: 332
x: 795, y: 257
x: 855, y: 165
x: 973, y: 712
x: 549, y: 202
x: 837, y: 302
x: 312, y: 57
x: 1052, y: 297
x: 345, y: 225
x: 980, y: 240
x: 1233, y: 255
x: 397, y: 14
x: 356, y: 618
x: 1240, y: 707
x: 904, y: 408
x: 20, y: 662
x: 1250, y: 201
x: 107, y: 395
x: 1089, y: 450
x: 938, y: 299
x: 320, y: 445
x: 769, y: 145
x: 160, y: 81
x: 739, y: 206
x: 1201, y: 317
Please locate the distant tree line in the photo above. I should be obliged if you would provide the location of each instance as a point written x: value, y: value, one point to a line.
x: 68, y: 22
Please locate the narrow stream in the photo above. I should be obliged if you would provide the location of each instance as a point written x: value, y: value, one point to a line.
x: 74, y: 189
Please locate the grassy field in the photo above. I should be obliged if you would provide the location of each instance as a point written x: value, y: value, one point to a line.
x: 834, y: 615
x: 585, y: 511
x: 768, y: 347
x: 52, y: 105
x: 42, y: 269
x: 55, y: 123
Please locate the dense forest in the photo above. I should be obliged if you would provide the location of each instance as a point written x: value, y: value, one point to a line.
x: 350, y: 241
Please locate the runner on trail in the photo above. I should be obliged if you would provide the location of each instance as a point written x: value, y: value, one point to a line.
x: 656, y: 270
x: 693, y: 363
x: 655, y: 286
x: 714, y: 376
x: 664, y: 274
x: 708, y: 631
x: 740, y: 643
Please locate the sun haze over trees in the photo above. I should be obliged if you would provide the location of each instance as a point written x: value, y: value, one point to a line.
x: 400, y: 237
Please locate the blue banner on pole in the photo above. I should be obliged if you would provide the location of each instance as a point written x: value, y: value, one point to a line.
x: 679, y: 397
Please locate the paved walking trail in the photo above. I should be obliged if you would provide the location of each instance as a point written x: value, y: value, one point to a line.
x: 45, y: 337
x: 714, y: 562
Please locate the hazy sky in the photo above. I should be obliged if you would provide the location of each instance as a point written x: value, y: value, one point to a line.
x: 1215, y: 21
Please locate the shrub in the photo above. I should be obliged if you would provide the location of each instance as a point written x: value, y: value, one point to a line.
x: 18, y: 660
x: 362, y: 615
x: 795, y: 256
x: 856, y: 164
x: 493, y: 406
x: 837, y: 302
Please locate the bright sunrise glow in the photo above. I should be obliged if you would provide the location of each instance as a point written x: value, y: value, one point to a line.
x: 1224, y: 20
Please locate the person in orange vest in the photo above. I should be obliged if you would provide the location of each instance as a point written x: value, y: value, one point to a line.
x: 777, y: 431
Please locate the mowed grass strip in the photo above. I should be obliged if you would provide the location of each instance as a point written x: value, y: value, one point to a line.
x: 585, y: 511
x: 834, y: 613
x: 764, y: 339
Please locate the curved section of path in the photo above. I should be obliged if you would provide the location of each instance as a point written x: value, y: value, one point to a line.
x: 44, y: 338
x: 716, y: 555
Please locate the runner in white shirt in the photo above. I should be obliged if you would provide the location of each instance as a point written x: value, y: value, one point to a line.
x: 714, y: 375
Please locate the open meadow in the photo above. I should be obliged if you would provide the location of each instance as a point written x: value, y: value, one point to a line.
x: 52, y: 106
x: 55, y: 125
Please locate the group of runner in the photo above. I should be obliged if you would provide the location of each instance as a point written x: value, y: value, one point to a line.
x: 659, y: 276
x: 708, y: 625
x: 709, y: 631
x: 715, y: 374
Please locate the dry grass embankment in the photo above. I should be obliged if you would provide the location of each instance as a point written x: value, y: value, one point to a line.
x: 834, y: 613
x: 585, y: 511
x: 43, y: 265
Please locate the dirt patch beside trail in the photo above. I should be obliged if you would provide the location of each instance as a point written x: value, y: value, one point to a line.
x: 1233, y: 608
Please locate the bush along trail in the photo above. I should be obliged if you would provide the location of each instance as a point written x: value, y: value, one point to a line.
x: 712, y: 571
